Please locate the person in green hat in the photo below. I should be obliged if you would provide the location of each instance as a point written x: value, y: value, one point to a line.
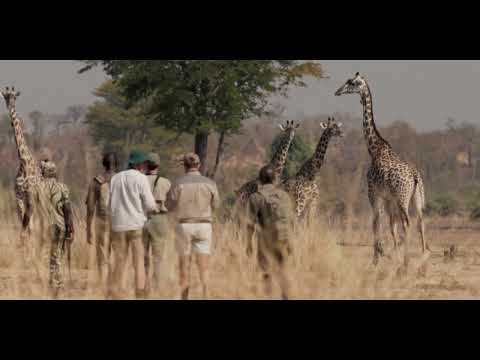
x: 130, y: 197
x: 157, y: 228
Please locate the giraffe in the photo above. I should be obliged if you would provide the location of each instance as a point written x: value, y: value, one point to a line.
x: 278, y: 162
x: 29, y: 173
x: 302, y: 186
x: 393, y: 184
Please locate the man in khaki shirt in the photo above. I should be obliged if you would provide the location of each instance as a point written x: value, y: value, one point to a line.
x: 156, y: 230
x: 193, y: 198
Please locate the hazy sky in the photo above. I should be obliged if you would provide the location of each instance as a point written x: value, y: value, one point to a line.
x: 422, y: 92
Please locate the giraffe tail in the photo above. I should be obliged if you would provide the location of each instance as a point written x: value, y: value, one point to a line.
x: 419, y: 192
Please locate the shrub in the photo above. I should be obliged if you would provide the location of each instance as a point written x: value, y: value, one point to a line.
x: 442, y: 205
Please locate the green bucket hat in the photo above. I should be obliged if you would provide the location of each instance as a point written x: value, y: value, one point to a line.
x: 137, y: 157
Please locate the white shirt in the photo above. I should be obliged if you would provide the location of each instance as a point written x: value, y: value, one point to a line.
x: 130, y: 199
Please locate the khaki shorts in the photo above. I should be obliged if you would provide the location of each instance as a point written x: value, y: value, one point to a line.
x: 194, y: 237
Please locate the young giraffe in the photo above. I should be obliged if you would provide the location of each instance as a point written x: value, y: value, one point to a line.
x: 29, y: 173
x: 302, y: 186
x: 278, y: 162
x: 392, y: 183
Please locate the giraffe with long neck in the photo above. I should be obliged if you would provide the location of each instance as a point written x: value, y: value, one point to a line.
x: 302, y: 187
x: 393, y: 184
x: 29, y: 172
x: 278, y: 162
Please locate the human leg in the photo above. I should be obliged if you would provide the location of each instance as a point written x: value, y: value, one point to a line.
x: 56, y: 262
x: 120, y: 253
x: 184, y: 249
x: 135, y: 240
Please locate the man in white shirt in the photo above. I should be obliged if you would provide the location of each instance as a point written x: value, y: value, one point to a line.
x: 131, y: 199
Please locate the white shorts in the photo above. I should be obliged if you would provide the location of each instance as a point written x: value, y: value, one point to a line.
x: 194, y: 237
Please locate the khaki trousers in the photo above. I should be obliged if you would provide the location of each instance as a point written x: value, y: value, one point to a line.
x: 155, y: 237
x: 121, y: 242
x: 102, y: 247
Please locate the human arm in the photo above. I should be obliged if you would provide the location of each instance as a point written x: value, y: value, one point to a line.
x: 68, y: 214
x: 69, y: 227
x: 172, y: 197
x: 215, y: 198
x: 91, y: 203
x: 147, y: 196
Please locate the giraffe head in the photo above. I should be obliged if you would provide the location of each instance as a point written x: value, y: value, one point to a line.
x: 334, y: 129
x: 290, y: 126
x: 10, y: 96
x: 356, y: 85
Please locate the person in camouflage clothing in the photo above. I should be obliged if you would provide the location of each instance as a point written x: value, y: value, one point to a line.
x: 98, y: 216
x: 53, y: 200
x: 270, y: 213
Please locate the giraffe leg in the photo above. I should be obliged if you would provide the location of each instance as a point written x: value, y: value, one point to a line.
x: 313, y: 207
x: 418, y: 202
x: 378, y: 244
x: 393, y: 231
x: 19, y: 198
x: 377, y: 204
x: 406, y: 226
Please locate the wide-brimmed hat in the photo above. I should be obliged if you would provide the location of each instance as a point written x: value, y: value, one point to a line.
x: 137, y: 157
x: 154, y: 158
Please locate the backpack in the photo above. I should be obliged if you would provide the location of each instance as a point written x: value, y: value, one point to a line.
x: 278, y: 211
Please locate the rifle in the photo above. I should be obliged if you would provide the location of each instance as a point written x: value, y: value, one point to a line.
x: 69, y: 260
x: 69, y: 227
x: 67, y: 241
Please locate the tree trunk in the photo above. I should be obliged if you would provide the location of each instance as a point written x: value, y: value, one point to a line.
x: 201, y: 149
x: 220, y: 151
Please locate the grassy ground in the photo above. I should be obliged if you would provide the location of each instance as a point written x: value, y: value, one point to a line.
x: 330, y: 262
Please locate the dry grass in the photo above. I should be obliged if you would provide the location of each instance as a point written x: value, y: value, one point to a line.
x: 329, y: 262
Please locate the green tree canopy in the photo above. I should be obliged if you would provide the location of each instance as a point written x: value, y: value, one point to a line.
x: 199, y: 97
x: 117, y: 127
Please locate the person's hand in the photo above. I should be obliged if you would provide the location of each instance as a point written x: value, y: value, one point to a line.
x: 289, y: 249
x: 70, y: 234
x: 89, y: 237
x: 250, y: 249
x: 24, y: 235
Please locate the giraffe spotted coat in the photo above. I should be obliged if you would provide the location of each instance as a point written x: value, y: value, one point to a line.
x: 302, y: 187
x: 393, y: 184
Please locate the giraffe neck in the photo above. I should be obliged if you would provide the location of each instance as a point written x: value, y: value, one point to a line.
x: 280, y: 158
x: 26, y: 159
x: 374, y: 140
x: 310, y: 169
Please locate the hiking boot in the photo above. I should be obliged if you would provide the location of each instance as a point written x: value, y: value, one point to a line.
x: 185, y: 294
x: 141, y: 294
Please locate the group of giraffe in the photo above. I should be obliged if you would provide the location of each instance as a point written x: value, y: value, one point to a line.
x: 393, y: 184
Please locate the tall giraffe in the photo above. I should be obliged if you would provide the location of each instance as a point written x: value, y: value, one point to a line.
x: 29, y: 173
x: 278, y: 162
x: 393, y: 184
x: 302, y: 186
